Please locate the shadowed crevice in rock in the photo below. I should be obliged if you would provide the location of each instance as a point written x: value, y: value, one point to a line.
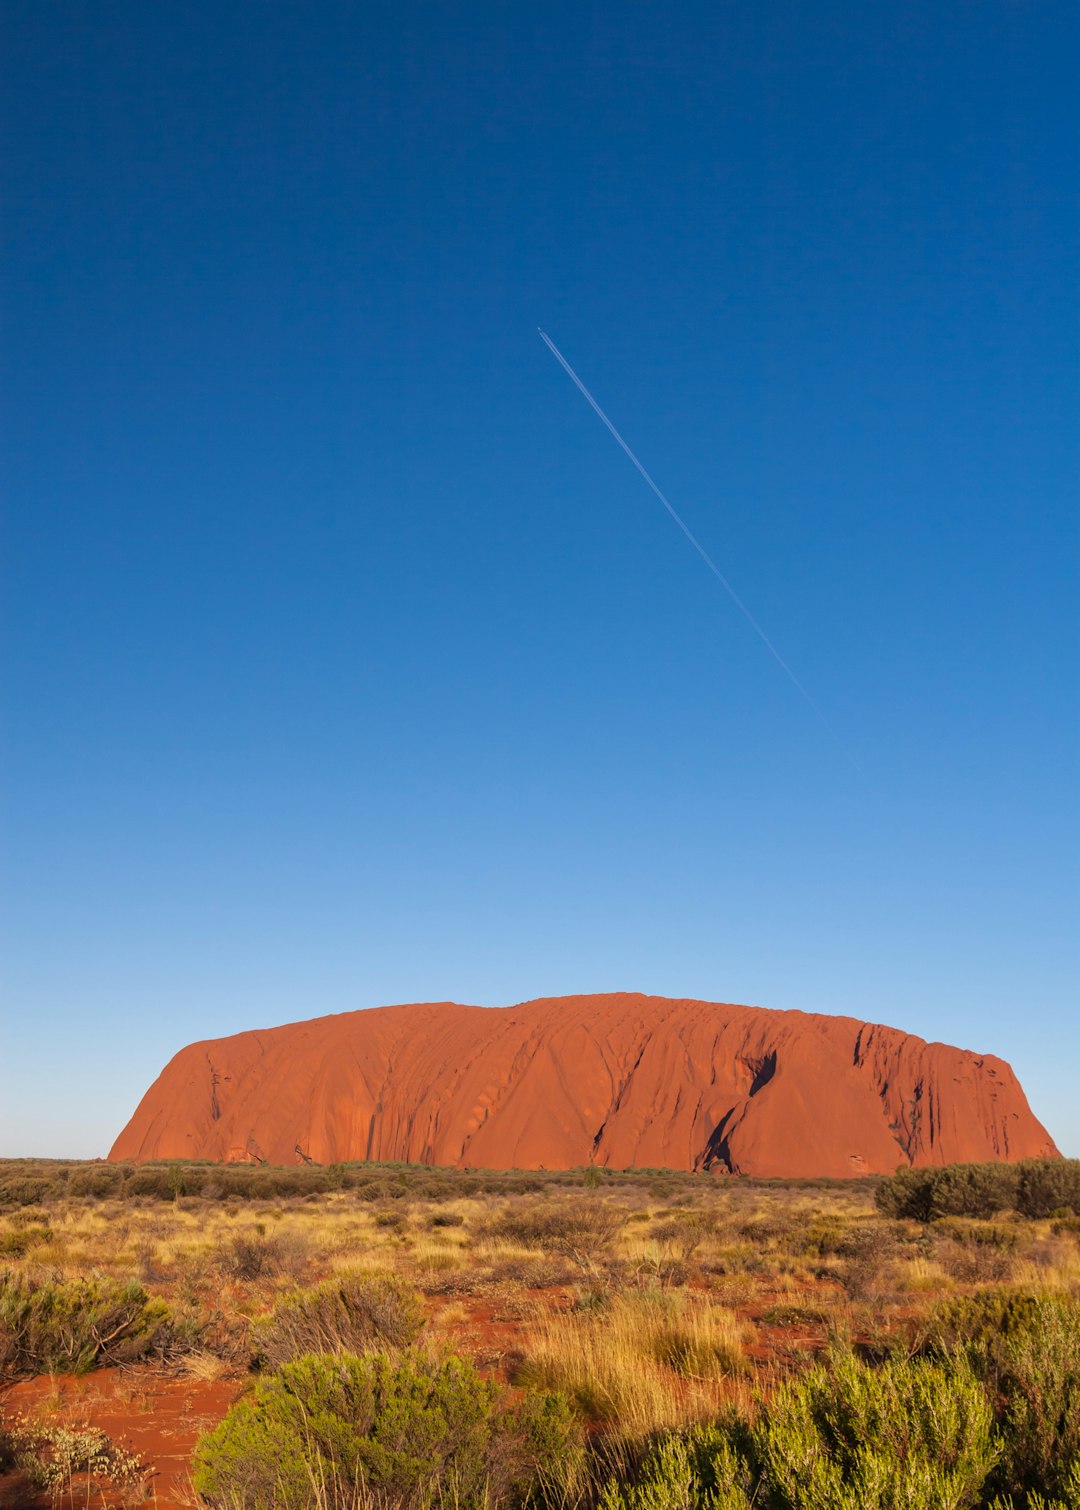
x: 764, y: 1070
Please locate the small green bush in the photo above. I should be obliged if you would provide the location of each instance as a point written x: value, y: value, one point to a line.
x: 536, y: 1451
x: 154, y: 1180
x: 909, y: 1435
x: 27, y: 1190
x: 821, y: 1237
x: 971, y: 1322
x: 98, y: 1181
x: 1026, y: 1350
x: 406, y: 1431
x: 912, y: 1433
x: 587, y: 1228
x: 349, y: 1314
x: 907, y: 1193
x: 74, y: 1326
x: 700, y: 1469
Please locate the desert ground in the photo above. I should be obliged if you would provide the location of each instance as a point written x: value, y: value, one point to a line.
x: 620, y: 1340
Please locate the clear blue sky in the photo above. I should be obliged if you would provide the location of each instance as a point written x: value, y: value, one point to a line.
x: 347, y: 660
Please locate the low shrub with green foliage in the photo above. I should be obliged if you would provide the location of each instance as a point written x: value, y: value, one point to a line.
x: 1048, y: 1187
x: 850, y: 1437
x: 1026, y: 1350
x: 699, y: 1469
x: 988, y: 1416
x: 585, y: 1228
x: 27, y: 1190
x: 405, y: 1431
x: 97, y: 1182
x: 1035, y: 1188
x: 348, y: 1314
x: 1069, y: 1498
x: 72, y: 1326
x: 913, y: 1434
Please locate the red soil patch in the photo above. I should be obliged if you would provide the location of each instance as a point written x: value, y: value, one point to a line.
x: 155, y: 1415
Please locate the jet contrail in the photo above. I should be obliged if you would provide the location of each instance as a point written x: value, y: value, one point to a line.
x: 694, y: 541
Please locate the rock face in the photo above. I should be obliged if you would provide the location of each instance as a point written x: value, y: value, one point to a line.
x: 620, y: 1080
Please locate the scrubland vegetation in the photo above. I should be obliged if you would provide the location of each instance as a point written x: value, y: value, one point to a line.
x: 407, y: 1337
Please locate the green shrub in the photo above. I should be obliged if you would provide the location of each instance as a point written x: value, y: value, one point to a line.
x: 26, y: 1190
x: 536, y: 1451
x: 406, y: 1430
x: 980, y: 1233
x: 912, y: 1433
x: 1048, y: 1187
x: 976, y: 1190
x: 349, y: 1314
x: 907, y: 1193
x: 1069, y: 1500
x: 154, y: 1180
x: 1026, y: 1349
x: 790, y: 1313
x: 909, y: 1435
x: 700, y: 1469
x: 99, y: 1181
x: 822, y: 1236
x: 971, y: 1322
x: 74, y: 1326
x: 585, y: 1229
x: 1036, y: 1188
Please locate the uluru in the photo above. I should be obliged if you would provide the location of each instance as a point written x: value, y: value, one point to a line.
x: 621, y: 1080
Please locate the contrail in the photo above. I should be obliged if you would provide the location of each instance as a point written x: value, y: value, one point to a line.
x: 694, y: 541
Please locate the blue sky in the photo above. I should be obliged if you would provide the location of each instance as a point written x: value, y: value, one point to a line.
x: 346, y: 658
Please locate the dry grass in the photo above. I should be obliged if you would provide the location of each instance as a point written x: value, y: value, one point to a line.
x: 641, y: 1297
x: 641, y: 1361
x: 921, y: 1276
x: 204, y: 1366
x: 434, y: 1256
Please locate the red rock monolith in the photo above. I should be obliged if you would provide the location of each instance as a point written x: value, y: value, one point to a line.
x: 618, y: 1080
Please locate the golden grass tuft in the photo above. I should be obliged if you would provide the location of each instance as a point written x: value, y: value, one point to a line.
x: 205, y: 1366
x: 432, y: 1256
x: 921, y: 1276
x: 642, y: 1361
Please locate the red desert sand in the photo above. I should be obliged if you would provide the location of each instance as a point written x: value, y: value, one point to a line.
x: 623, y: 1081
